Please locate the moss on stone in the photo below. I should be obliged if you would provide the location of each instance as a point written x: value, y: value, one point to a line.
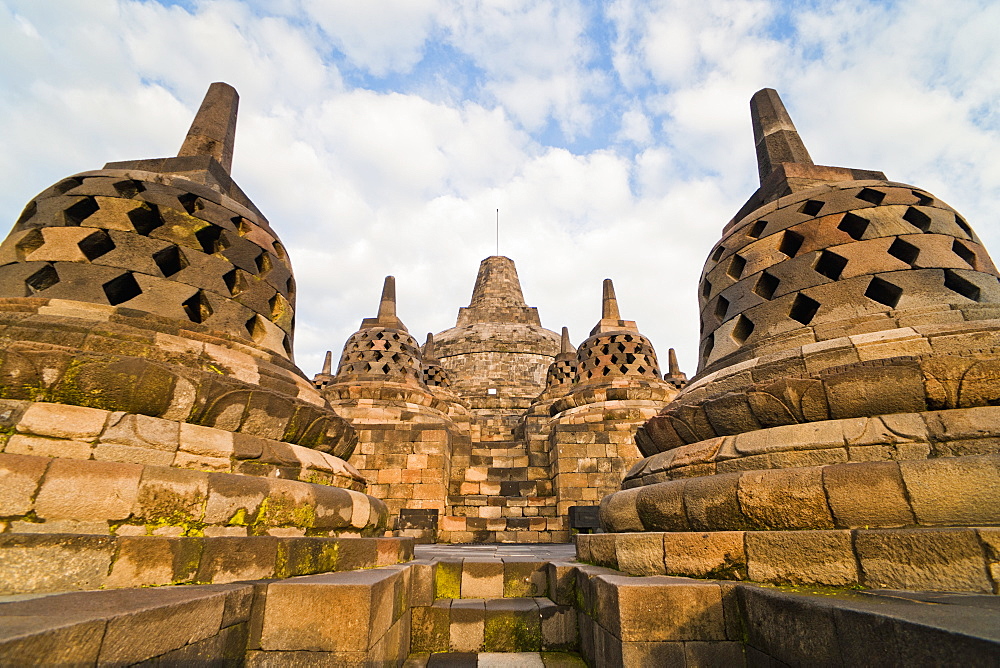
x: 510, y: 632
x: 448, y: 580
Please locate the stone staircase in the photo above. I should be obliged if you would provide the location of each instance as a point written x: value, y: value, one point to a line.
x: 504, y: 491
x: 491, y: 605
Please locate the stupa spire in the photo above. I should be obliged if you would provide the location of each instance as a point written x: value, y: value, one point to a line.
x: 429, y: 347
x: 386, y: 308
x: 213, y: 130
x: 609, y: 303
x: 328, y: 363
x: 565, y: 346
x: 774, y: 134
x: 497, y: 297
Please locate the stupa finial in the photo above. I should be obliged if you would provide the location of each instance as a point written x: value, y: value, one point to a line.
x: 774, y: 134
x: 213, y: 130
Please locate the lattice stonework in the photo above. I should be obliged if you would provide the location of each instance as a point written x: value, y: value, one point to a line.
x: 616, y: 354
x: 144, y: 245
x: 844, y: 251
x: 561, y: 372
x: 379, y: 351
x: 436, y: 375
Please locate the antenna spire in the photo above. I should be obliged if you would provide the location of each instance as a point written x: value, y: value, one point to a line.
x: 213, y: 130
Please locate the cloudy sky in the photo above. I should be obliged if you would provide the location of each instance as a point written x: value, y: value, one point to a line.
x: 380, y: 137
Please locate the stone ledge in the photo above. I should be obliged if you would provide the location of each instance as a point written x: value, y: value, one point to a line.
x: 57, y: 495
x: 934, y: 559
x: 937, y: 491
x: 77, y: 432
x: 109, y: 562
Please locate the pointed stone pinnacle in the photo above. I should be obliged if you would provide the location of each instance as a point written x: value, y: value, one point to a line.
x: 673, y: 368
x: 386, y: 308
x: 774, y: 134
x: 609, y: 304
x: 213, y: 130
x: 565, y: 346
x: 429, y: 347
x: 387, y: 305
x: 328, y: 363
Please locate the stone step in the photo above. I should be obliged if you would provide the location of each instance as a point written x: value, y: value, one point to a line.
x: 493, y: 625
x: 495, y: 660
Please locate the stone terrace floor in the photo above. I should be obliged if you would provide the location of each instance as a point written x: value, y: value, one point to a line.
x: 540, y: 551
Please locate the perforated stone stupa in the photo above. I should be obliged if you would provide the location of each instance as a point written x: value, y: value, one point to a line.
x: 148, y: 386
x: 501, y: 433
x: 842, y: 427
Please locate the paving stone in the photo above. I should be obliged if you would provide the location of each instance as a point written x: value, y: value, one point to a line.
x: 468, y: 619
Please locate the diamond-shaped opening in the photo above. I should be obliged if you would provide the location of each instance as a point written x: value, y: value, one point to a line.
x: 717, y: 253
x: 277, y: 305
x: 706, y: 289
x: 29, y: 243
x: 956, y: 283
x: 964, y: 225
x: 918, y: 219
x: 721, y: 307
x: 145, y: 218
x: 128, y: 188
x: 80, y: 211
x: 766, y: 285
x: 211, y: 239
x: 854, y: 225
x: 30, y: 209
x: 873, y: 196
x: 286, y: 343
x: 967, y: 254
x: 242, y: 225
x: 791, y: 242
x: 280, y: 251
x: 623, y: 369
x: 630, y: 359
x: 613, y: 359
x: 709, y: 345
x: 923, y: 199
x: 255, y: 327
x: 121, y: 289
x: 235, y: 281
x: 904, y: 251
x: 386, y: 368
x: 757, y: 229
x: 811, y: 207
x: 191, y: 203
x: 605, y: 371
x: 42, y: 279
x: 66, y: 185
x: 197, y: 307
x: 883, y: 292
x: 96, y: 244
x: 736, y: 266
x: 830, y: 264
x: 621, y: 347
x: 629, y: 338
x: 743, y: 329
x: 170, y: 260
x: 290, y: 288
x: 803, y: 309
x: 264, y: 263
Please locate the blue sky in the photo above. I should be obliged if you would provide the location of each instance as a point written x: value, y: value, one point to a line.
x: 380, y: 137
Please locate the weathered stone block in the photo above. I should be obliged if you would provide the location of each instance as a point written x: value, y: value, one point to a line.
x: 468, y: 621
x: 482, y: 578
x: 659, y: 608
x: 785, y: 499
x: 715, y: 554
x: 20, y: 476
x: 88, y: 490
x: 661, y: 506
x: 63, y: 421
x: 801, y: 557
x: 170, y: 496
x: 867, y: 494
x: 938, y: 559
x: 512, y: 625
x: 640, y: 553
x: 28, y: 562
x: 953, y: 491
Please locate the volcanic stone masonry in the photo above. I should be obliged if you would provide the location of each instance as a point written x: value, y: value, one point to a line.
x: 492, y: 432
x: 843, y: 425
